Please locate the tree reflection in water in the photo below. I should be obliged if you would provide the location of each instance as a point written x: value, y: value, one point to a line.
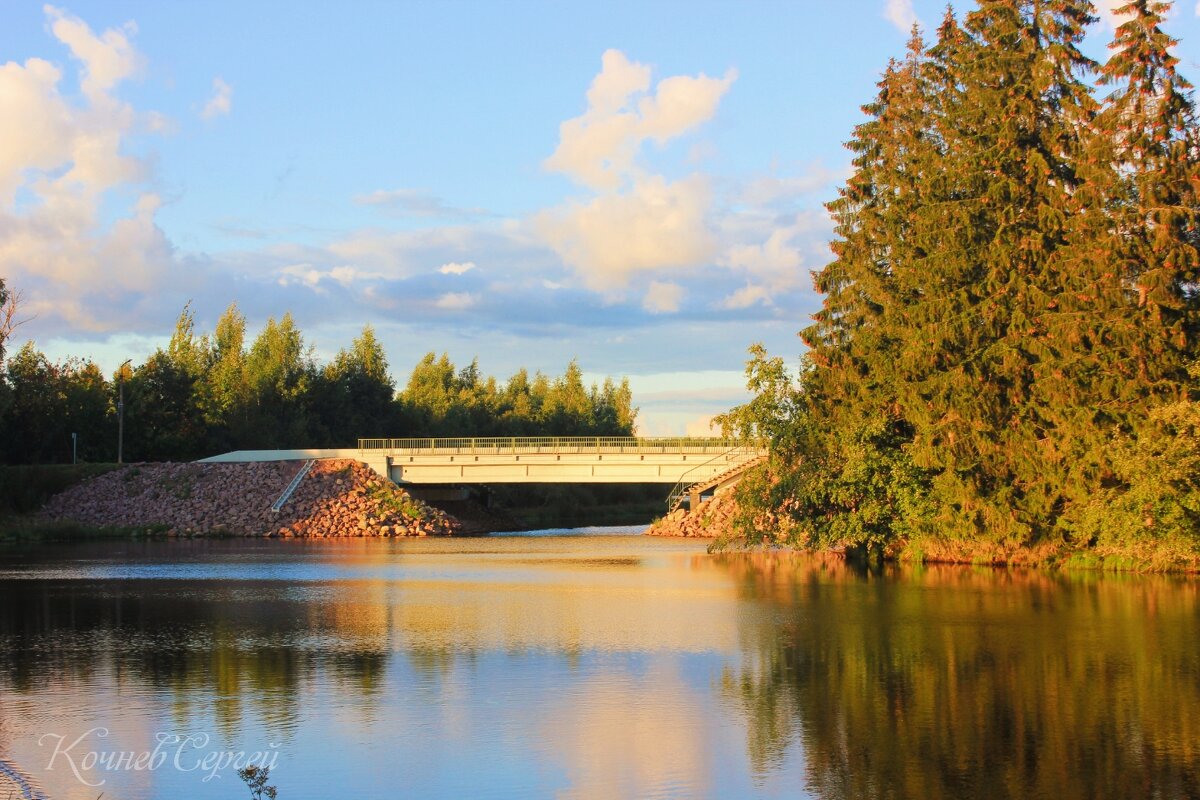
x: 585, y: 669
x: 951, y: 682
x: 236, y: 645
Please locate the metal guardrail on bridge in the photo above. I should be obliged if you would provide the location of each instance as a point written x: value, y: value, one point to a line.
x: 555, y: 445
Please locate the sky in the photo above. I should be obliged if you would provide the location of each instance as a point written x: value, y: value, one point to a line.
x: 639, y: 186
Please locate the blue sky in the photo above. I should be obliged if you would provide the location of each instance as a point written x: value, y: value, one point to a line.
x: 636, y: 185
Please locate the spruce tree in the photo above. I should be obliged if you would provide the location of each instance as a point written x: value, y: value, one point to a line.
x: 1011, y: 108
x: 1137, y: 268
x: 1013, y: 301
x: 1149, y: 119
x: 846, y: 473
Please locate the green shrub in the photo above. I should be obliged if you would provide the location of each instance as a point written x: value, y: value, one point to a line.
x: 25, y: 489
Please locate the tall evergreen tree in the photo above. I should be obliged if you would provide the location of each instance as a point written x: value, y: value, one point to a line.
x: 1149, y: 120
x: 845, y: 470
x: 978, y: 391
x: 1015, y: 282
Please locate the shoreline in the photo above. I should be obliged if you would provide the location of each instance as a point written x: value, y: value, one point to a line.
x: 339, y: 498
x: 715, y: 521
x: 345, y: 499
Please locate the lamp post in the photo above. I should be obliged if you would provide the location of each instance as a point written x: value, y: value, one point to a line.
x: 74, y: 449
x: 121, y: 408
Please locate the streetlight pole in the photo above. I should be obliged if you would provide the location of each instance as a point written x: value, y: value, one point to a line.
x: 121, y: 409
x: 74, y: 449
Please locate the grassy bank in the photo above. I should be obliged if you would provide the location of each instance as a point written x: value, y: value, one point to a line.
x: 26, y: 527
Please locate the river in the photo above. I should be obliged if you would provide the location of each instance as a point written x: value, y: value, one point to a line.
x: 601, y: 665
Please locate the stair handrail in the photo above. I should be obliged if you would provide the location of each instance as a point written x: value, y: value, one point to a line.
x: 675, y: 498
x: 277, y: 506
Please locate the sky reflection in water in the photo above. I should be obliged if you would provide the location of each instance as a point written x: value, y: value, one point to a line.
x: 596, y: 666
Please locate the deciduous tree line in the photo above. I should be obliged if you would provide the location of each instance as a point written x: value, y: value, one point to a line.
x: 1003, y: 360
x: 206, y: 394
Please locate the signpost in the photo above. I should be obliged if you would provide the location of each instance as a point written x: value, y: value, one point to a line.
x: 121, y: 409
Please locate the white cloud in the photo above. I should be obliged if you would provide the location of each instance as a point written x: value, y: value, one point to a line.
x: 456, y: 301
x: 221, y: 102
x: 900, y: 13
x: 400, y: 254
x: 700, y: 426
x: 598, y: 148
x: 300, y: 273
x: 456, y: 268
x: 770, y: 189
x: 747, y: 296
x: 35, y: 123
x: 65, y: 160
x: 306, y: 274
x: 107, y: 59
x: 637, y: 227
x: 635, y: 221
x: 654, y: 225
x: 416, y: 203
x: 778, y: 255
x: 158, y: 123
x: 662, y: 298
x: 782, y: 260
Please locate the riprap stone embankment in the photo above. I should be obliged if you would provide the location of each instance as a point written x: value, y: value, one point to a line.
x: 338, y: 498
x: 713, y: 518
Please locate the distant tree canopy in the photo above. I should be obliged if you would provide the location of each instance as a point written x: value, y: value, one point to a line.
x: 3, y: 331
x: 209, y: 393
x: 1012, y: 307
x: 5, y: 395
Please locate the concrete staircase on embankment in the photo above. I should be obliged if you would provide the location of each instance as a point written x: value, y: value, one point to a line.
x: 721, y: 482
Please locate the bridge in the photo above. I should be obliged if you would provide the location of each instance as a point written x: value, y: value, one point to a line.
x: 555, y: 459
x: 684, y: 462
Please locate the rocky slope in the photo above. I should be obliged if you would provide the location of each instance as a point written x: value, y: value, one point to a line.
x: 713, y: 518
x: 338, y: 498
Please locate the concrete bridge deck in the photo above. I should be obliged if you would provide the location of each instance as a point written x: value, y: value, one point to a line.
x: 532, y: 459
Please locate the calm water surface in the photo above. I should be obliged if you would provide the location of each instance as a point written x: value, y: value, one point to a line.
x: 588, y: 666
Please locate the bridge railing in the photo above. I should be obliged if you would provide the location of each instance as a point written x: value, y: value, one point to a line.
x: 497, y: 445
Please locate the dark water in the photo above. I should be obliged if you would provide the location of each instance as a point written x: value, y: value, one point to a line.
x: 586, y: 666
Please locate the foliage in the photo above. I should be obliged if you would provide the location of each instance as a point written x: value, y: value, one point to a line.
x: 1011, y: 307
x: 440, y: 401
x: 1151, y: 510
x: 3, y: 333
x: 49, y: 402
x: 393, y: 499
x: 206, y: 394
x: 26, y: 488
x: 255, y: 778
